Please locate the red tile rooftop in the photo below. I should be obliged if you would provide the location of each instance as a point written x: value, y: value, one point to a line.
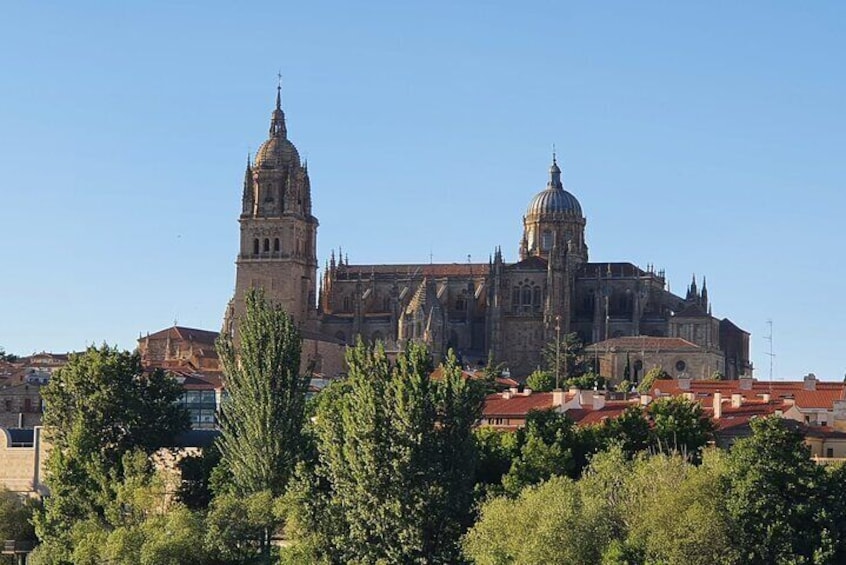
x: 517, y: 406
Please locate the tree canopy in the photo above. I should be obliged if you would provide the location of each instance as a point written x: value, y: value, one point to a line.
x: 100, y: 407
x: 393, y: 480
x: 262, y: 418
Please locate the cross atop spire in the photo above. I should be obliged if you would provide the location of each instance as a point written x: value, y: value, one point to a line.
x: 554, y: 172
x: 277, y: 121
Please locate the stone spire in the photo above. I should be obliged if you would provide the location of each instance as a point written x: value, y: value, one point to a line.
x: 277, y: 120
x: 248, y: 197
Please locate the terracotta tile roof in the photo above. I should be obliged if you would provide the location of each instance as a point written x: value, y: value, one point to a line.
x: 644, y: 343
x: 504, y: 382
x: 821, y: 398
x: 185, y: 334
x: 739, y: 417
x: 611, y: 410
x: 517, y: 406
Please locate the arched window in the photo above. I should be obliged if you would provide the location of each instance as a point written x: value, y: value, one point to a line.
x: 527, y: 296
x: 536, y: 297
x: 347, y: 304
x: 255, y: 246
x: 276, y: 245
x: 266, y: 245
x: 460, y: 304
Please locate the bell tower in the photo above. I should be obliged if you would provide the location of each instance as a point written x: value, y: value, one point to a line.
x: 278, y: 249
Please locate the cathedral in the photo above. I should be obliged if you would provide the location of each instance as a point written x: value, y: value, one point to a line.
x: 509, y: 310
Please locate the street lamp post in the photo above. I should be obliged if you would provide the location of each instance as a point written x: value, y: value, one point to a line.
x: 557, y: 352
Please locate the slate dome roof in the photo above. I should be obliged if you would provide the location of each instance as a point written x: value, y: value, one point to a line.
x: 554, y: 199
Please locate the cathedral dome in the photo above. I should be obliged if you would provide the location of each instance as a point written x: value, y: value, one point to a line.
x: 277, y: 151
x: 554, y: 200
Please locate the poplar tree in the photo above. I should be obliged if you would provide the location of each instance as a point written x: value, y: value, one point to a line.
x: 393, y: 480
x: 262, y: 418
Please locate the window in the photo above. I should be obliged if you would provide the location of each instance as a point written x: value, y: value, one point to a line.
x: 460, y: 304
x: 276, y: 245
x: 680, y: 366
x: 266, y: 245
x: 347, y: 304
x: 829, y: 452
x: 255, y: 246
x: 546, y: 240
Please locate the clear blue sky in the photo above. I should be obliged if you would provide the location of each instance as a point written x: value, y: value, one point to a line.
x: 704, y: 138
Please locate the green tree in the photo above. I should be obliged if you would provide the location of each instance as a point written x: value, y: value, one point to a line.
x: 630, y: 430
x: 496, y: 451
x: 262, y: 418
x: 139, y: 525
x: 546, y: 523
x: 670, y: 512
x: 393, y: 482
x: 549, y: 445
x: 652, y: 375
x: 541, y: 381
x: 564, y: 357
x: 586, y: 381
x: 15, y: 519
x: 100, y: 407
x: 679, y: 425
x: 776, y: 498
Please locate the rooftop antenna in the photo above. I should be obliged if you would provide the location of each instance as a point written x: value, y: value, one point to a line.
x: 770, y: 354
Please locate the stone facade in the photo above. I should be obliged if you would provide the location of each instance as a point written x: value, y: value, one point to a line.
x: 510, y: 310
x: 630, y: 358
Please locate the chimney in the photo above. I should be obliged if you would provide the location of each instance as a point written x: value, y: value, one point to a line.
x: 766, y: 397
x: 718, y: 405
x: 513, y: 390
x: 645, y: 399
x: 736, y: 400
x: 598, y: 401
x: 585, y: 397
x: 684, y: 383
x: 810, y: 382
x: 557, y: 397
x: 745, y: 383
x: 527, y: 391
x: 506, y: 394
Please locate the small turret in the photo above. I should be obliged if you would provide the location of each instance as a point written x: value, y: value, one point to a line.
x: 249, y: 191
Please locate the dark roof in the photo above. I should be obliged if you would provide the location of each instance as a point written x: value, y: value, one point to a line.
x: 531, y: 263
x: 21, y: 437
x: 693, y: 311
